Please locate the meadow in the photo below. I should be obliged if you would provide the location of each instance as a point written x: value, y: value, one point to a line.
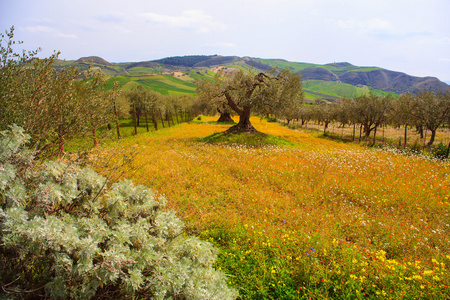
x: 387, y: 136
x: 309, y: 218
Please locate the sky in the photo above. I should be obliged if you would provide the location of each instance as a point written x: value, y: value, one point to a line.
x: 410, y: 36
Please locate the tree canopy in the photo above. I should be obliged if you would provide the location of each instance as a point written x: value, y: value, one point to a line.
x: 246, y: 92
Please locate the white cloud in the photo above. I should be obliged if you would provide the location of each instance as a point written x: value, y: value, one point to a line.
x: 52, y: 31
x: 38, y: 28
x: 195, y: 19
x: 366, y: 25
x: 225, y: 44
x: 380, y: 29
x: 67, y: 35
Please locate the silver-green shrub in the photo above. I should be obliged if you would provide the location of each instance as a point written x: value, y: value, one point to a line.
x: 66, y: 233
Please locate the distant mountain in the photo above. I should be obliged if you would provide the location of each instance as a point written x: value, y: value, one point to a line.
x: 329, y: 81
x: 377, y: 78
x: 93, y: 59
x: 393, y: 81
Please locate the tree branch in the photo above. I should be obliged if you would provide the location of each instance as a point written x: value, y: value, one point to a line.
x: 231, y: 102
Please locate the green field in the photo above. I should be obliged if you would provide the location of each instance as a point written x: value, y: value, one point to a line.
x: 282, y: 64
x: 164, y: 84
x: 337, y: 89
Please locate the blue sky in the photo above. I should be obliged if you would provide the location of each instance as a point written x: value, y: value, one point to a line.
x: 408, y: 36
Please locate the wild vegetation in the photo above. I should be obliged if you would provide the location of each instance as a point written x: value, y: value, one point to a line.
x: 70, y: 233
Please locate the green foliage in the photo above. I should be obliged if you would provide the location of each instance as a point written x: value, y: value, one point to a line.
x: 66, y: 232
x: 53, y: 106
x: 185, y: 61
x: 440, y: 151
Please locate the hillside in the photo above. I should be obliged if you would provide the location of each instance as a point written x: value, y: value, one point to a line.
x: 176, y: 75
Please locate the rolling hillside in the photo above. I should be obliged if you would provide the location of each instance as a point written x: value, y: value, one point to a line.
x: 177, y: 75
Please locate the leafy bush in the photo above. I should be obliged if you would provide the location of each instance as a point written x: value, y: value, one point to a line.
x: 67, y: 233
x: 440, y: 151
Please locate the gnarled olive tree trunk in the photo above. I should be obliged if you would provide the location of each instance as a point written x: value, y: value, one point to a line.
x: 244, y: 124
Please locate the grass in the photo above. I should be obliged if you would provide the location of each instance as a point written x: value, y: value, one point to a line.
x: 106, y: 136
x: 282, y: 64
x: 165, y: 84
x: 245, y: 139
x: 386, y: 135
x: 314, y: 219
x: 340, y: 89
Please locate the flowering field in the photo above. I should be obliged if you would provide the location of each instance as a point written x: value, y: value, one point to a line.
x: 386, y: 135
x: 317, y: 219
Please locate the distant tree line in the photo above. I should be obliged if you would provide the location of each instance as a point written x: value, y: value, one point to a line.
x: 185, y: 61
x: 152, y: 107
x: 425, y: 110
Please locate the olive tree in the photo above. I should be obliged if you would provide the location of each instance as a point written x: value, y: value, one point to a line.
x: 245, y: 92
x: 49, y: 104
x: 431, y: 109
x: 372, y: 111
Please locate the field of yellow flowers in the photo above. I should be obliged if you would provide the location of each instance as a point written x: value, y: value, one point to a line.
x: 315, y: 219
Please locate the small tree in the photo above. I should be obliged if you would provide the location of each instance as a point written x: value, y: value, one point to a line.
x: 401, y: 114
x: 325, y: 113
x: 372, y: 111
x: 67, y: 233
x: 262, y: 93
x: 305, y: 113
x: 48, y: 103
x: 119, y: 105
x: 431, y: 109
x: 95, y: 101
x: 225, y: 114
